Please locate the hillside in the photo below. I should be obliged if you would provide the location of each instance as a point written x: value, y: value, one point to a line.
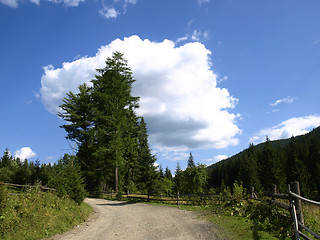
x: 273, y: 162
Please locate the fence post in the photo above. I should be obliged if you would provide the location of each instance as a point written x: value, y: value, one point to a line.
x: 274, y: 190
x: 297, y: 202
x: 252, y: 192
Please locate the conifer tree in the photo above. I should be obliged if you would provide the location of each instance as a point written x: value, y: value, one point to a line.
x: 167, y: 174
x: 148, y: 176
x: 191, y: 163
x: 98, y: 120
x: 177, y: 186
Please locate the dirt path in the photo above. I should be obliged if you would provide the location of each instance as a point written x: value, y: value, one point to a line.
x: 121, y: 220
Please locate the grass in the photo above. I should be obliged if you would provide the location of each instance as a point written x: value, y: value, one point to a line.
x: 36, y: 215
x: 311, y: 215
x: 244, y: 221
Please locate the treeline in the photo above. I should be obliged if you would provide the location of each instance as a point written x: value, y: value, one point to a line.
x: 193, y: 180
x: 273, y: 162
x: 65, y: 175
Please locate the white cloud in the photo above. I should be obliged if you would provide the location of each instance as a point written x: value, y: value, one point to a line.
x: 288, y: 128
x: 195, y: 36
x: 24, y: 153
x: 200, y: 2
x: 109, y: 12
x: 283, y: 100
x: 214, y: 160
x: 219, y: 158
x: 112, y: 12
x: 37, y: 2
x: 68, y: 3
x: 180, y: 100
x: 10, y: 3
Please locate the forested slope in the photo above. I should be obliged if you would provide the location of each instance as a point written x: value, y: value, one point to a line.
x: 273, y: 162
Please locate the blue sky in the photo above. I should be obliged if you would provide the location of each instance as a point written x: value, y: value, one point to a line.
x: 213, y: 75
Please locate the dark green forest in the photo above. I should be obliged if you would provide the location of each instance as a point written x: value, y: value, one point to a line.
x: 273, y: 162
x: 113, y: 153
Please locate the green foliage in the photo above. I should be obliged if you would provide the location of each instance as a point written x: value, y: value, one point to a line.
x: 273, y: 219
x: 3, y: 198
x: 68, y: 179
x: 195, y: 179
x: 273, y: 162
x: 6, y: 174
x: 20, y: 212
x: 111, y: 138
x: 178, y: 179
x: 191, y: 163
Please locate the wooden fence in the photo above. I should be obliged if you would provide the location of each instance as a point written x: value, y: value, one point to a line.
x: 294, y: 206
x: 179, y: 199
x: 44, y: 188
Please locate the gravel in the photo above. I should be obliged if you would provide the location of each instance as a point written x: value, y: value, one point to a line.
x: 122, y: 220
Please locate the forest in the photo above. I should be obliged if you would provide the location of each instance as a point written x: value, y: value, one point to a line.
x: 273, y: 162
x: 113, y: 153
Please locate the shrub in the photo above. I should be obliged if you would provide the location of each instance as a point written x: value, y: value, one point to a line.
x: 68, y: 179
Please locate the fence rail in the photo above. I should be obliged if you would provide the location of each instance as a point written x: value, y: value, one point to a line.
x: 294, y: 207
x: 29, y: 186
x: 179, y: 199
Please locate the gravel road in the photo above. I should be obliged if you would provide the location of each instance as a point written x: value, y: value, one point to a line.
x: 121, y: 220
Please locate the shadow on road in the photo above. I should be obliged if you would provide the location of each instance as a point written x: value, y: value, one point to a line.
x: 115, y: 204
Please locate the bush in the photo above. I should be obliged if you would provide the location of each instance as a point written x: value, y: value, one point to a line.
x: 68, y: 179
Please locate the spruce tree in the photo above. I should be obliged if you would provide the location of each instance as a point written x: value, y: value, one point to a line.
x: 167, y: 174
x: 148, y: 177
x: 177, y: 181
x: 100, y: 121
x: 191, y: 163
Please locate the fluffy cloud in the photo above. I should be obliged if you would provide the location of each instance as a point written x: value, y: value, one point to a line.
x: 24, y: 153
x: 179, y: 97
x: 283, y: 100
x: 288, y: 128
x: 219, y: 158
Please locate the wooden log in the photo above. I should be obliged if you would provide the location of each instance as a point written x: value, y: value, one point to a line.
x: 281, y: 196
x: 280, y: 204
x: 296, y: 189
x: 295, y: 221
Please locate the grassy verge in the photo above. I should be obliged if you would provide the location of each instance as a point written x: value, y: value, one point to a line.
x: 231, y: 227
x: 36, y: 215
x: 244, y: 220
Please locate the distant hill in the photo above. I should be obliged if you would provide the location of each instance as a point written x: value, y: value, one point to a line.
x: 315, y: 133
x: 273, y: 162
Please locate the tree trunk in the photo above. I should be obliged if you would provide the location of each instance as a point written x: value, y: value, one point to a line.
x: 116, y: 179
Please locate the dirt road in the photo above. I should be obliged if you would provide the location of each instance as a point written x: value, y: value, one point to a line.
x: 121, y: 220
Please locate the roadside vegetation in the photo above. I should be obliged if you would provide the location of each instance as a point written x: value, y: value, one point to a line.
x: 33, y: 214
x: 239, y: 217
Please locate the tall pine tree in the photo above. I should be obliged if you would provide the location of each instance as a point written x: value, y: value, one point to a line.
x: 100, y: 119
